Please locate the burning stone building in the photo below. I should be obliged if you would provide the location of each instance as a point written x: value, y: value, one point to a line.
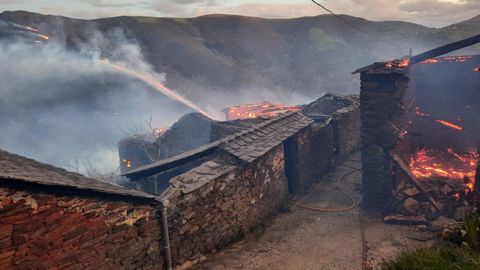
x: 218, y: 180
x: 231, y: 180
x: 420, y: 132
x: 304, y: 136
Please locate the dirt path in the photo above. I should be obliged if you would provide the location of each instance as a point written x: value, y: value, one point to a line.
x: 304, y: 239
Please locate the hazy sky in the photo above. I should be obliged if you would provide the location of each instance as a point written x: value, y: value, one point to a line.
x: 427, y: 12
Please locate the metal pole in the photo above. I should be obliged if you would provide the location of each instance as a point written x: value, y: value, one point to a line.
x: 166, y: 238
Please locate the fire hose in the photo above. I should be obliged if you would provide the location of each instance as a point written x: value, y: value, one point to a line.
x: 318, y: 209
x: 354, y: 203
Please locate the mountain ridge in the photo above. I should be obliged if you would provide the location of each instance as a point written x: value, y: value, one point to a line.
x: 221, y: 53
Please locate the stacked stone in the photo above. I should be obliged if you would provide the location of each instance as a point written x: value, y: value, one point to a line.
x: 382, y: 92
x: 40, y: 230
x: 216, y: 204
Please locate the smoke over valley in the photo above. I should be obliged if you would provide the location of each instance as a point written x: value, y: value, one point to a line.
x: 60, y: 103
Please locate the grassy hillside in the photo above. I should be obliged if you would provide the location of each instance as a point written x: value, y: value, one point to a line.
x: 235, y: 55
x: 59, y: 106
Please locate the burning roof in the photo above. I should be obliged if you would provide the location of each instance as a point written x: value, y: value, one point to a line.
x: 254, y: 110
x: 246, y: 145
x: 401, y: 65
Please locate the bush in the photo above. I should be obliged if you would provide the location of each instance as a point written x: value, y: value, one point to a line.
x: 438, y: 258
x: 469, y: 232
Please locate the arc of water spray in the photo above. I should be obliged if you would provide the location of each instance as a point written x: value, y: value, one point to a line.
x: 157, y: 86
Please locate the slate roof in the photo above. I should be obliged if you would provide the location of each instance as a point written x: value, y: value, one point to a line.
x: 254, y: 142
x: 247, y: 145
x: 18, y: 168
x: 329, y: 105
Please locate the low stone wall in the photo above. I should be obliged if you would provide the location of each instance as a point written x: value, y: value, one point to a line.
x: 309, y: 156
x: 217, y: 203
x: 41, y: 230
x: 347, y: 126
x: 314, y: 151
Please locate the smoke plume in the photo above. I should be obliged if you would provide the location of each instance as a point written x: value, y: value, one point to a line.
x: 66, y: 108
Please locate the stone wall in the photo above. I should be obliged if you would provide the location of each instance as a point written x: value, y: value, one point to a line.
x: 347, y: 125
x: 41, y: 230
x: 218, y: 202
x: 381, y: 105
x: 309, y: 155
x: 314, y: 151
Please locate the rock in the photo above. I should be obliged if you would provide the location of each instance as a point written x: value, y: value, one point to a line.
x: 445, y: 190
x: 411, y: 205
x: 411, y: 191
x: 442, y: 221
x: 422, y: 237
x: 405, y: 220
x: 421, y: 227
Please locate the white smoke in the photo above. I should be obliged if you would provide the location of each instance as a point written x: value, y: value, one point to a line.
x: 63, y: 107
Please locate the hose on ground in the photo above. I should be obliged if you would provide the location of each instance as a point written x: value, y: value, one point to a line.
x: 319, y: 209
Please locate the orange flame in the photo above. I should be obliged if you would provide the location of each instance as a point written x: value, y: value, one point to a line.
x: 419, y: 112
x: 430, y: 61
x: 44, y: 37
x: 429, y: 163
x: 447, y: 59
x: 449, y: 124
x: 247, y: 111
x: 128, y: 163
x: 404, y: 63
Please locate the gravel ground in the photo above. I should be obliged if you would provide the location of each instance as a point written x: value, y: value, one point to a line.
x: 304, y: 239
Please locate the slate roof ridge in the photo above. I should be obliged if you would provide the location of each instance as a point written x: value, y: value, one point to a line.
x: 276, y: 118
x: 15, y: 167
x: 229, y: 142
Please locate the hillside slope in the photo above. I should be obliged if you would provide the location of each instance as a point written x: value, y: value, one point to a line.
x: 60, y: 105
x: 235, y: 55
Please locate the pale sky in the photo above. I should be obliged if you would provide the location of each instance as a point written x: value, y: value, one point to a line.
x: 436, y: 13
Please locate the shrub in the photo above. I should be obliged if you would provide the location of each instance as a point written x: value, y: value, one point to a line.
x: 439, y: 258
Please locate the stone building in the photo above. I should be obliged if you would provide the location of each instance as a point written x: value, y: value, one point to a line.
x: 424, y: 105
x: 220, y: 191
x: 311, y: 142
x: 212, y: 195
x: 54, y: 219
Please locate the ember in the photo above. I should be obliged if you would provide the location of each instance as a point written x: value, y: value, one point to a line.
x: 449, y: 124
x: 419, y: 112
x: 127, y: 162
x: 247, y: 111
x: 404, y: 63
x: 430, y: 163
x: 457, y: 59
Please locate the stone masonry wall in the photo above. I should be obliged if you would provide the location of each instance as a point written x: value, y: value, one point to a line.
x: 217, y: 203
x: 309, y: 155
x: 347, y: 126
x: 381, y: 105
x: 314, y: 151
x: 44, y: 231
